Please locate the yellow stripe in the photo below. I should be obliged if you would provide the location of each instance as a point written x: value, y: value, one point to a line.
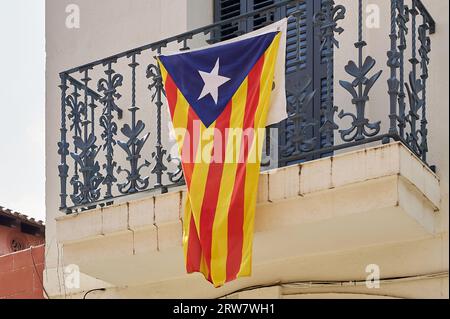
x: 253, y: 165
x: 201, y: 169
x: 180, y: 120
x: 186, y: 227
x: 220, y: 226
x: 186, y: 232
x: 163, y: 71
x: 180, y: 116
x: 203, y: 267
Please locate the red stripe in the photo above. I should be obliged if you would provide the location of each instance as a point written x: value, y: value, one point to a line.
x: 189, y: 149
x: 194, y: 251
x: 236, y: 211
x: 211, y: 194
x: 171, y: 93
x: 188, y: 146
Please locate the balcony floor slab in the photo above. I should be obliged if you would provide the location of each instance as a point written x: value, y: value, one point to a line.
x: 368, y: 198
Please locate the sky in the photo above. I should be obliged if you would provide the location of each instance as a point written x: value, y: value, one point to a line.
x: 22, y: 98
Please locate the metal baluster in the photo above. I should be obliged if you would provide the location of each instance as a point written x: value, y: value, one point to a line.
x: 133, y: 146
x: 299, y: 98
x: 360, y: 125
x: 402, y: 20
x: 424, y: 50
x: 329, y: 108
x: 109, y: 87
x: 393, y: 82
x: 63, y: 146
x: 185, y: 46
x: 414, y: 88
x: 96, y: 178
x: 87, y: 190
x: 154, y: 73
x: 86, y: 79
x: 92, y: 106
x: 327, y: 21
x: 75, y: 127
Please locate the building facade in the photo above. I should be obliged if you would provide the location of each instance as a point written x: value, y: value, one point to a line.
x: 21, y: 256
x: 353, y: 198
x: 18, y: 232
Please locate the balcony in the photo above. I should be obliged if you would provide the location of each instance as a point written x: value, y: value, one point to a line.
x: 115, y: 137
x: 344, y: 162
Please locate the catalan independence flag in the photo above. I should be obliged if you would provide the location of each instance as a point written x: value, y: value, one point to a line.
x: 219, y: 99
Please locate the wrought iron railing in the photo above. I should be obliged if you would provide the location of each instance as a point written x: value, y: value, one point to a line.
x: 113, y: 136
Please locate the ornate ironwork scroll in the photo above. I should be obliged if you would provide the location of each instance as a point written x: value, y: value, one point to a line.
x: 402, y: 19
x: 359, y: 90
x: 298, y: 100
x: 109, y: 87
x: 87, y: 189
x: 327, y: 20
x: 63, y: 146
x: 424, y: 50
x: 133, y: 146
x: 156, y: 86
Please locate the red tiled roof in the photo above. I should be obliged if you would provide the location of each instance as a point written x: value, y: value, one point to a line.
x: 21, y: 217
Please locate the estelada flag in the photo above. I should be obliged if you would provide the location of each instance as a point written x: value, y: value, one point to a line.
x: 219, y: 99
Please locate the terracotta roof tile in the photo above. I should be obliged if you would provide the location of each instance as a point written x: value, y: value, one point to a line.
x: 22, y: 217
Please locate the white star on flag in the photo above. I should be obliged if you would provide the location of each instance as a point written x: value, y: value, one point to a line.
x: 212, y: 82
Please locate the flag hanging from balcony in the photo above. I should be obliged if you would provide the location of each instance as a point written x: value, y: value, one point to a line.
x: 219, y: 99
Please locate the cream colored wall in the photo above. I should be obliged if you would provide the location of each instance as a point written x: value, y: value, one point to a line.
x: 106, y: 27
x: 439, y: 101
x: 378, y: 106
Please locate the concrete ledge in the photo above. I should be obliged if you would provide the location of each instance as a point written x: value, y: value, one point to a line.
x: 370, y: 197
x: 282, y: 184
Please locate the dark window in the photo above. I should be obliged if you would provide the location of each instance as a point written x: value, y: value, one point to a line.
x: 6, y: 221
x: 30, y: 229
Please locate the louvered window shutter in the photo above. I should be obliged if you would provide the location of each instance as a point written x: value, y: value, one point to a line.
x: 304, y: 61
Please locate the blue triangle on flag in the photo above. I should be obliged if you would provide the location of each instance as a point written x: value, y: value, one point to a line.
x: 235, y: 61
